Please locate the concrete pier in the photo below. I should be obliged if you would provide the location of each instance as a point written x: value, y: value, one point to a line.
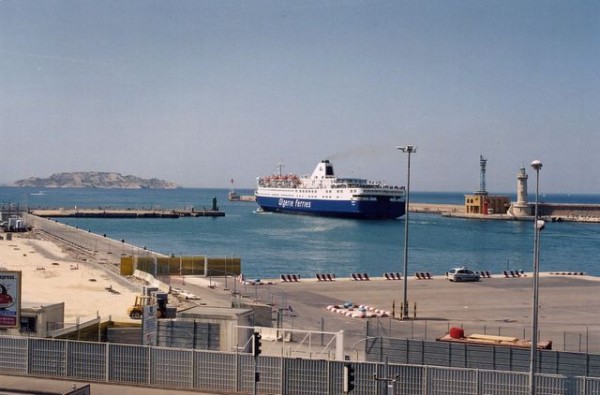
x: 123, y: 213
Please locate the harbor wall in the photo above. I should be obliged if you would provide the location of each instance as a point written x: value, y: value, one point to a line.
x: 570, y: 212
x: 430, y: 208
x: 79, y: 240
x: 129, y: 257
x: 567, y: 212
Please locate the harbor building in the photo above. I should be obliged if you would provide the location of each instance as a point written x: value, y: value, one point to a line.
x: 481, y: 202
x: 486, y: 204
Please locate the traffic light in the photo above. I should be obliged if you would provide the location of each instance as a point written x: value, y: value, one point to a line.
x: 348, y: 377
x: 256, y: 343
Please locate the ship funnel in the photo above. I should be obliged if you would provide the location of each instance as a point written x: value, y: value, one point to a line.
x: 323, y: 169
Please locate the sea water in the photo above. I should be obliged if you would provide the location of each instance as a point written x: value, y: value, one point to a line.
x: 272, y: 244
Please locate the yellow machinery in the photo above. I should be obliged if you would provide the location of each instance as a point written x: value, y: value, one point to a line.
x: 137, y: 310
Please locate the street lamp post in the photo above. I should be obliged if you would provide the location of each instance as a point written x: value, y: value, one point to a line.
x: 409, y: 149
x: 538, y: 225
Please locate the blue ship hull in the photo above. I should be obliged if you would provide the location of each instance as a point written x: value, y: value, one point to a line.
x: 382, y: 208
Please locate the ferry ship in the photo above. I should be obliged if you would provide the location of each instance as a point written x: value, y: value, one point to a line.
x: 323, y: 194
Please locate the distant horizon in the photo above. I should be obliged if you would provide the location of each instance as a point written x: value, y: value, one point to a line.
x: 240, y: 188
x: 232, y: 185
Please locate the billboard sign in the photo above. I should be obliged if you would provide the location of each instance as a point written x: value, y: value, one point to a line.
x: 149, y: 324
x: 10, y: 299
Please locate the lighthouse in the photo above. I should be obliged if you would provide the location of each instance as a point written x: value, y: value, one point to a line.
x: 521, y: 207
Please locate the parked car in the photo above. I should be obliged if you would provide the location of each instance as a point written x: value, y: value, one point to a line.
x: 463, y: 274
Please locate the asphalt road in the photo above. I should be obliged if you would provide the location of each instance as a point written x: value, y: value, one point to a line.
x: 497, y: 305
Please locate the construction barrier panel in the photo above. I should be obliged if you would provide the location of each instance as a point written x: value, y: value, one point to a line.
x: 126, y: 265
x: 185, y: 265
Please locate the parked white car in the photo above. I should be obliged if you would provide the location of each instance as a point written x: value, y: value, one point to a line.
x: 463, y: 274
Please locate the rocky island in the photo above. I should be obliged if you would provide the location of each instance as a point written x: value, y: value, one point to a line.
x: 94, y: 179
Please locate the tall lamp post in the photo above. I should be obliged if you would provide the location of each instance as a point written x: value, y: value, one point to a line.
x: 538, y: 225
x: 409, y: 149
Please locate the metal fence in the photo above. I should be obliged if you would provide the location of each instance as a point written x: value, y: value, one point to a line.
x: 580, y: 338
x: 407, y: 351
x: 171, y: 368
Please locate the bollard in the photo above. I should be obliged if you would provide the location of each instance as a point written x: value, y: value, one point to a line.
x: 415, y: 311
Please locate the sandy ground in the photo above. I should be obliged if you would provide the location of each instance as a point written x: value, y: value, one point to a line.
x: 53, y: 274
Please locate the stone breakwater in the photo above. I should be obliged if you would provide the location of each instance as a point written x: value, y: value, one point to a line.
x: 123, y: 213
x: 571, y: 212
x: 555, y: 212
x: 90, y: 246
x: 430, y: 208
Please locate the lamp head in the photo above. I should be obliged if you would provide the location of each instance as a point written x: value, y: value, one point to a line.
x: 540, y: 224
x: 536, y: 164
x: 409, y: 149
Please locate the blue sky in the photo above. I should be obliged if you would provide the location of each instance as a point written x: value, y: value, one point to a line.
x: 202, y: 92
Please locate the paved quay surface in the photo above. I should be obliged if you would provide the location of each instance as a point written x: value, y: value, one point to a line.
x: 497, y: 305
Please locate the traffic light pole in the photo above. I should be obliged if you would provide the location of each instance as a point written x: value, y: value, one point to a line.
x: 348, y: 378
x: 256, y: 350
x: 255, y: 374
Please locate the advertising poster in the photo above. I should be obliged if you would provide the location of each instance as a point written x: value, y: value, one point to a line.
x: 10, y: 299
x: 149, y: 325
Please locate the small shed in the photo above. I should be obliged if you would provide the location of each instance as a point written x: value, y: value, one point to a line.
x: 38, y: 319
x: 207, y: 328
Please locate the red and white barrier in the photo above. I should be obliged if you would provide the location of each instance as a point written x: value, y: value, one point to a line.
x: 360, y: 277
x: 568, y: 273
x: 290, y: 278
x: 325, y: 277
x: 392, y: 276
x: 423, y: 276
x: 361, y: 311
